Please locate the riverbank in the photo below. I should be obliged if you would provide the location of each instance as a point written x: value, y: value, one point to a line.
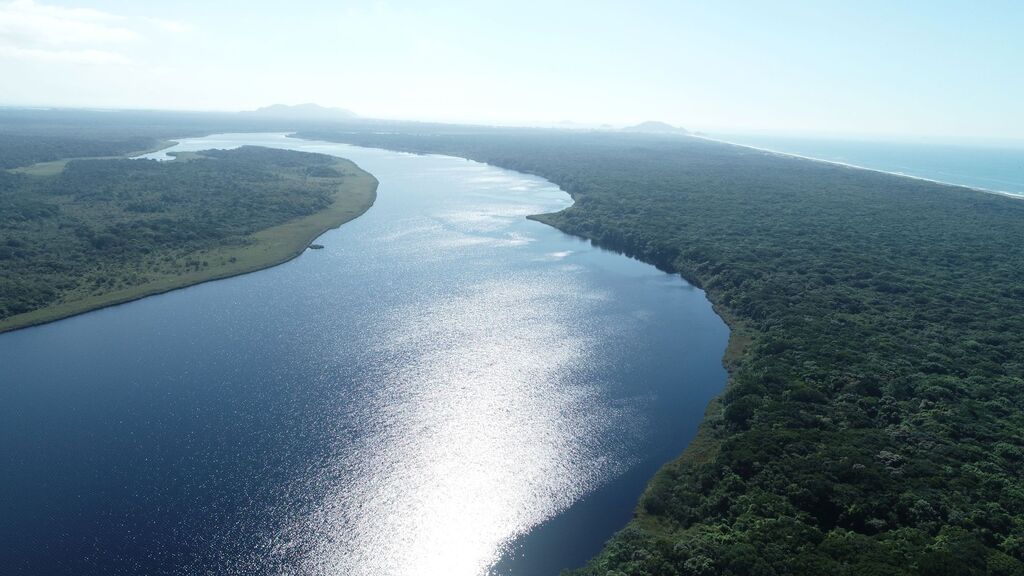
x: 263, y: 249
x: 882, y: 309
x: 712, y: 430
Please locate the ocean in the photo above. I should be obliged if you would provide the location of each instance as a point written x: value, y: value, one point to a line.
x: 989, y: 167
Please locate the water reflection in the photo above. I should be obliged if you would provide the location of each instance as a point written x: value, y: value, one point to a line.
x: 477, y: 428
x: 444, y: 381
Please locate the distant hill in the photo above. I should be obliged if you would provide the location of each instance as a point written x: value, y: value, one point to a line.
x: 654, y: 127
x: 302, y: 112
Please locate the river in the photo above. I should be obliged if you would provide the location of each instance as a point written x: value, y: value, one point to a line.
x: 445, y: 388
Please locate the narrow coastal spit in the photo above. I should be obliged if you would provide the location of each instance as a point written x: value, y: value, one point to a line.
x: 994, y: 169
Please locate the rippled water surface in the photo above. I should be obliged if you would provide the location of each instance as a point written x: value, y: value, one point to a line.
x: 446, y: 388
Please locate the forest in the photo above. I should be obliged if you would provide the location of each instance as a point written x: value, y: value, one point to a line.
x: 873, y: 420
x: 108, y: 230
x: 30, y: 136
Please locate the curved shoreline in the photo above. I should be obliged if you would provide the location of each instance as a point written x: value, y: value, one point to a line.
x: 298, y: 235
x: 705, y: 442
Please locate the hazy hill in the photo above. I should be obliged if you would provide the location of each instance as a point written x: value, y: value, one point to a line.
x: 302, y: 112
x: 654, y: 127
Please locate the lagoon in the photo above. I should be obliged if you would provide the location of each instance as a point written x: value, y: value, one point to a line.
x: 445, y: 388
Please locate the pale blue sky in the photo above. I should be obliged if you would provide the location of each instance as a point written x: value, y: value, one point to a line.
x: 938, y: 68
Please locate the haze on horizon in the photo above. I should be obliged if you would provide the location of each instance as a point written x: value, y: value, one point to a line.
x: 915, y: 68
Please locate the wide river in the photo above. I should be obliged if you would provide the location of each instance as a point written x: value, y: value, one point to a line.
x: 447, y: 388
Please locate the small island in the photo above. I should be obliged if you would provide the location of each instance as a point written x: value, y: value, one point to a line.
x: 99, y: 232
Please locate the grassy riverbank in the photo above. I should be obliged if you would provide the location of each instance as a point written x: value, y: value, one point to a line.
x: 873, y: 421
x: 55, y: 167
x: 102, y: 232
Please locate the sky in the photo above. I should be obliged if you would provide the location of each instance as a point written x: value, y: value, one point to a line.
x: 932, y: 68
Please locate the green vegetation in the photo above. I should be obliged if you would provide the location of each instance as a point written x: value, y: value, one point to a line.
x: 49, y: 139
x: 52, y: 167
x: 100, y: 232
x: 33, y: 136
x: 46, y: 151
x: 873, y: 420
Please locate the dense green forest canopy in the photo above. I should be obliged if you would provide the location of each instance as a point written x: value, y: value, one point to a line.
x: 874, y: 424
x: 32, y: 136
x: 103, y: 226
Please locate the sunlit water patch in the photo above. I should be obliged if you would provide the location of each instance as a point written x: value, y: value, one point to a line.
x: 480, y: 427
x: 446, y: 388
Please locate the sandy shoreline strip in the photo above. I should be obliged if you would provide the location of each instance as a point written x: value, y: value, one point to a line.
x: 1017, y: 196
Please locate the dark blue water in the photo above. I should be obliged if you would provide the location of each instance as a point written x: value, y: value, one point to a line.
x: 999, y: 169
x: 446, y: 388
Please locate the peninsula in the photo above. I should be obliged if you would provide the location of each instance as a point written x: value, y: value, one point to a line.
x: 86, y: 234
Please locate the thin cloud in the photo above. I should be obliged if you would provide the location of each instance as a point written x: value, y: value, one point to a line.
x: 27, y: 23
x: 87, y: 56
x: 45, y: 33
x: 173, y: 26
